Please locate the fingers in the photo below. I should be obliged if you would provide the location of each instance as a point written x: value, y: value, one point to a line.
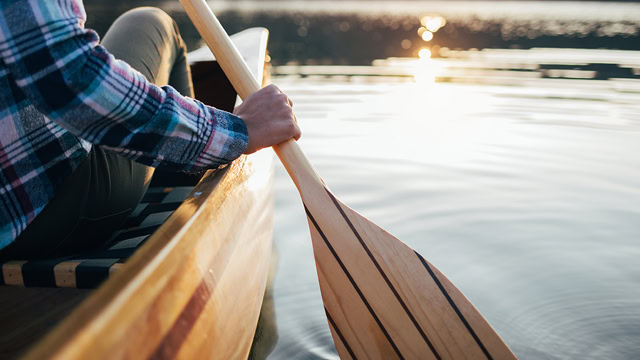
x: 272, y: 88
x: 295, y: 133
x: 288, y: 125
x: 289, y: 130
x: 298, y: 135
x: 268, y: 115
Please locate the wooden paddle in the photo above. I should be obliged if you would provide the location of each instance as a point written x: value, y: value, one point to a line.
x: 382, y: 299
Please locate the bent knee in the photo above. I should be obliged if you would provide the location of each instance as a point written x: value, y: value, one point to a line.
x: 147, y: 13
x: 148, y: 16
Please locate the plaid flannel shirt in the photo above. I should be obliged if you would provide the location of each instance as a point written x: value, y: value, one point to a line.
x: 61, y: 92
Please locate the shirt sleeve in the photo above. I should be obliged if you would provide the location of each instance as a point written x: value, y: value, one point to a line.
x: 69, y: 77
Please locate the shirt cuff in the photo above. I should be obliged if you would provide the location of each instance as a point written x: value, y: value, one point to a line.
x: 229, y: 139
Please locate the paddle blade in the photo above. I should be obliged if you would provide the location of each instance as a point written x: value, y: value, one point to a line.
x: 383, y: 300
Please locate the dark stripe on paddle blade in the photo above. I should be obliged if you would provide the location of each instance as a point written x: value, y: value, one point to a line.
x: 344, y: 341
x: 353, y: 283
x: 455, y: 307
x: 384, y: 276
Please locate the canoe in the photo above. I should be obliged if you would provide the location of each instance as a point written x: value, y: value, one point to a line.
x: 192, y: 290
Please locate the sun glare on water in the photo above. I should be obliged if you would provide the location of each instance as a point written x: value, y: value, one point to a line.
x: 424, y: 68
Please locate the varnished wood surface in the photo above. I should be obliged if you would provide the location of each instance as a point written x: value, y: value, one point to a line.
x: 383, y: 300
x: 194, y: 289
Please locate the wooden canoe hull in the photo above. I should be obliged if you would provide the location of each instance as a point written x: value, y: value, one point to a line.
x: 195, y: 288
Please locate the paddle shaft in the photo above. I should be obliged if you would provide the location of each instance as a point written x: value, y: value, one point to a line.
x: 236, y: 69
x: 382, y: 299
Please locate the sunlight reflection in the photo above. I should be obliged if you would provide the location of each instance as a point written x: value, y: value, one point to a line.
x: 425, y: 69
x: 433, y: 22
x: 424, y: 74
x: 427, y: 36
x: 424, y: 54
x: 442, y: 130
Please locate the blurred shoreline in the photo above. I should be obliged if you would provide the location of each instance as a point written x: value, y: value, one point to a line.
x: 356, y: 33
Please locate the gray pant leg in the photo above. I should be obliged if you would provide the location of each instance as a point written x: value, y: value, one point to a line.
x: 148, y: 40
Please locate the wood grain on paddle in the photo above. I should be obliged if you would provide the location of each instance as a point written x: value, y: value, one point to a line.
x: 382, y: 299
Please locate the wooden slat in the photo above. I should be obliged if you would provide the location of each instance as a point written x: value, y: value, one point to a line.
x: 12, y: 272
x: 65, y: 273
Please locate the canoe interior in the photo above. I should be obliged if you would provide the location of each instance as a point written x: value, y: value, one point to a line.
x: 194, y: 289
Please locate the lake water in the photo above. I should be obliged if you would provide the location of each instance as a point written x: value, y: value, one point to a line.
x: 515, y: 172
x: 522, y: 189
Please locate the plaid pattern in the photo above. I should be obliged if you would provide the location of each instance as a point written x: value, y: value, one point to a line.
x: 60, y: 92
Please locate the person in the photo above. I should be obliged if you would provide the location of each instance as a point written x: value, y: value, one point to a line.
x: 83, y: 123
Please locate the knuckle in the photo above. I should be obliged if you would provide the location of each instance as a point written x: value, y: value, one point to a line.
x: 268, y: 89
x: 275, y: 87
x: 289, y: 115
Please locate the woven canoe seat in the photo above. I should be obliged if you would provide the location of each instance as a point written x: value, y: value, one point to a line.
x: 90, y: 269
